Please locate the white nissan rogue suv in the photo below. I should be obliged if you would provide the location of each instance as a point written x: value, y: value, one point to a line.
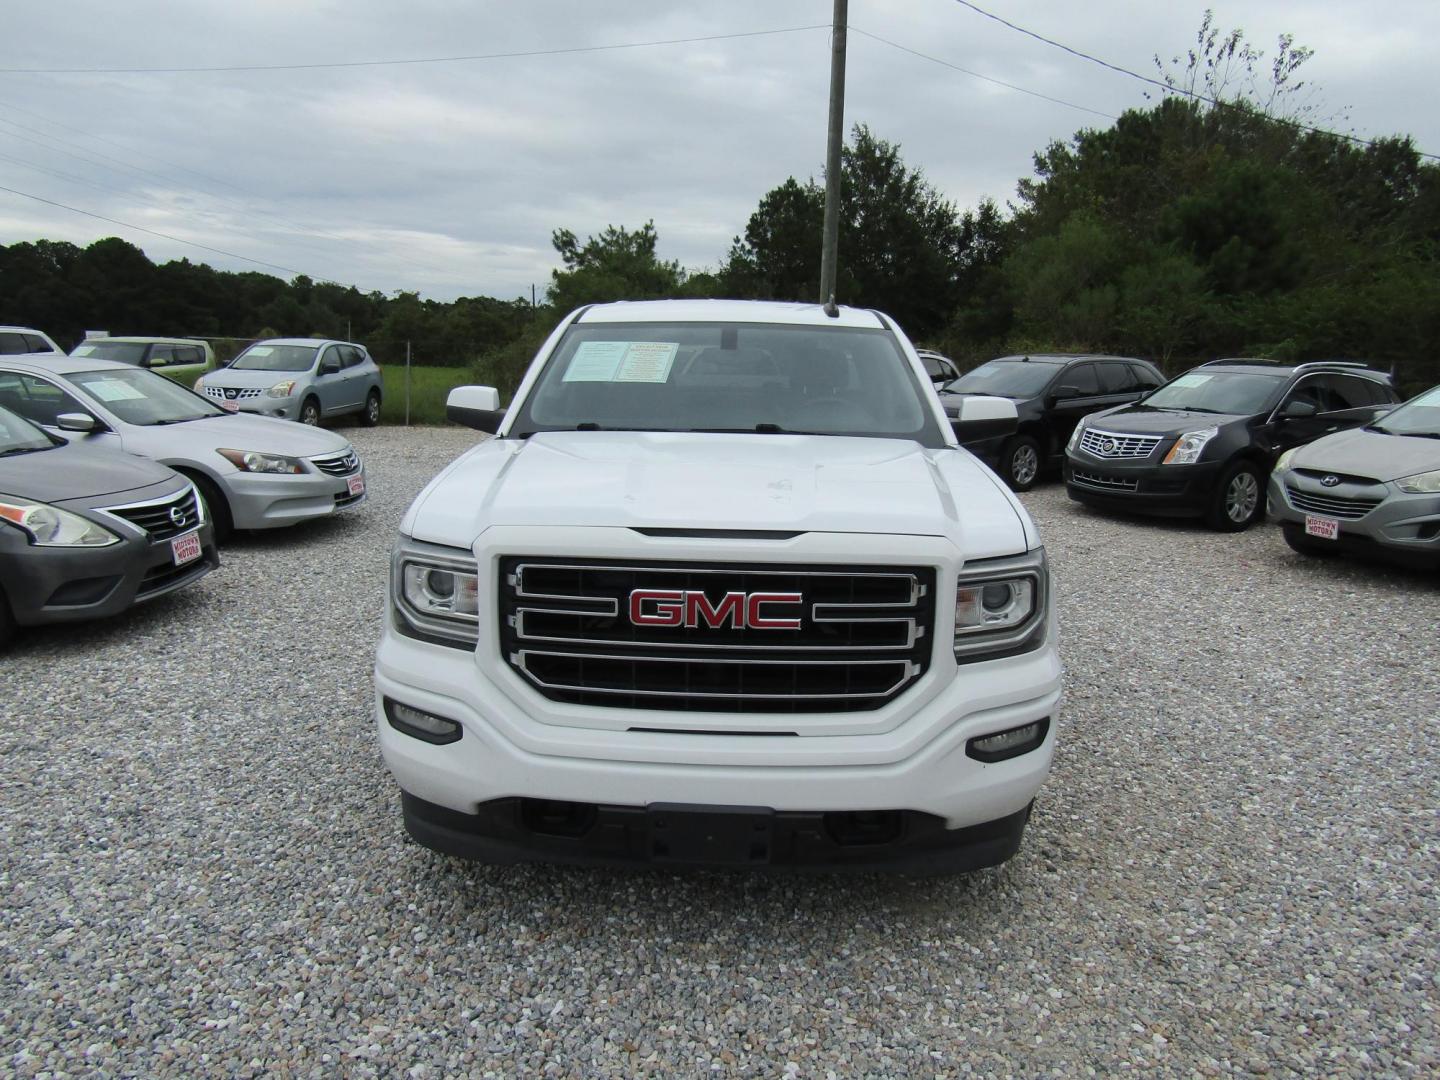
x: 723, y: 589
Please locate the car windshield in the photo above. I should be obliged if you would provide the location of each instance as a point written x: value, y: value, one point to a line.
x: 1418, y: 416
x: 276, y: 358
x: 141, y: 397
x: 19, y: 436
x: 124, y: 352
x: 1005, y: 378
x: 1236, y: 392
x: 730, y: 377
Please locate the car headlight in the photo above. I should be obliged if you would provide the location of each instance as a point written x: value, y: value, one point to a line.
x: 49, y: 526
x: 435, y: 592
x: 256, y: 462
x: 1001, y: 606
x: 282, y: 389
x: 1075, y: 436
x: 1187, y: 448
x: 1284, y: 460
x: 1425, y: 483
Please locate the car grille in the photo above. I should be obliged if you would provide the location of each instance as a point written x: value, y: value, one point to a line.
x: 231, y: 393
x: 162, y: 578
x: 337, y: 464
x: 162, y: 520
x: 1108, y: 483
x: 1330, y: 505
x: 1110, y: 444
x: 865, y: 635
x: 346, y: 499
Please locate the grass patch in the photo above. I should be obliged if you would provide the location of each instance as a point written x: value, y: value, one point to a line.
x: 429, y: 386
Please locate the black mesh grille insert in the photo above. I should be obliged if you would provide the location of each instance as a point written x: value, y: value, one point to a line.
x: 716, y: 637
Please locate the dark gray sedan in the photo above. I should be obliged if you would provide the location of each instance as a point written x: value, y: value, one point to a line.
x: 86, y: 533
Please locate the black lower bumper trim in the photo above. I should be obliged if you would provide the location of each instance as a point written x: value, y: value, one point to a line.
x: 531, y: 830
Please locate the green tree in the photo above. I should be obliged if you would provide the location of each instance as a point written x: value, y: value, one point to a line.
x: 616, y: 265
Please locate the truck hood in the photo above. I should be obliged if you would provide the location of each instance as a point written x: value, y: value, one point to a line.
x: 799, y: 483
x: 1369, y: 453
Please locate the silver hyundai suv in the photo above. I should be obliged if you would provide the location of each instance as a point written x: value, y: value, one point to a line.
x: 305, y: 379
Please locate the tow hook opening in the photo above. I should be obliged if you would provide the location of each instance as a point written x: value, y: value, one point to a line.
x: 860, y: 828
x: 554, y: 817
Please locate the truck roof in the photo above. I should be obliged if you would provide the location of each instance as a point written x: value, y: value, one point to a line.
x: 738, y: 311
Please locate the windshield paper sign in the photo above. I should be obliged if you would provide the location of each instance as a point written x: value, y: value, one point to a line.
x: 622, y: 361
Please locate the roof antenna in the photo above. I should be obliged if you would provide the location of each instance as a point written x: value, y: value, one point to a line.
x: 831, y: 309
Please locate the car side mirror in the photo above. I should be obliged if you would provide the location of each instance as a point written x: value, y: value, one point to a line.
x: 1299, y: 410
x: 329, y: 367
x: 980, y: 417
x: 76, y: 421
x: 476, y: 407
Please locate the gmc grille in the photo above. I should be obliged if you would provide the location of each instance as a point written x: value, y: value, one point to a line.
x: 865, y: 635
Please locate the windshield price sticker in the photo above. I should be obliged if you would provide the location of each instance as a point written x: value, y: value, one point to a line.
x: 1430, y: 397
x: 622, y: 361
x: 83, y: 350
x: 260, y: 350
x: 114, y: 390
x: 1189, y: 381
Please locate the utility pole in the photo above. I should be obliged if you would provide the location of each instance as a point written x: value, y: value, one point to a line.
x: 828, y: 250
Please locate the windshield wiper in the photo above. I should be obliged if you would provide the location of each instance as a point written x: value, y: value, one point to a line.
x: 23, y: 450
x: 180, y: 420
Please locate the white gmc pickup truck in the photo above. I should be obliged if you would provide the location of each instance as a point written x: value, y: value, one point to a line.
x: 722, y: 589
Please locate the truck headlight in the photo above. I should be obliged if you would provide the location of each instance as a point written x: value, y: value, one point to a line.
x: 436, y: 593
x: 1425, y: 483
x: 49, y: 526
x: 1187, y: 448
x: 1001, y: 606
x: 257, y: 462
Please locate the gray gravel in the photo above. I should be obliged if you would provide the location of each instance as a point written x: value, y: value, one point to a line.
x: 1233, y: 867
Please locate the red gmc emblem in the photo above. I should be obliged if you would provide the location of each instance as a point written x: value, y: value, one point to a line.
x: 677, y: 607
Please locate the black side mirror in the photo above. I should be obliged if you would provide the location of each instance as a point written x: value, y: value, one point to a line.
x: 329, y: 367
x: 1299, y: 410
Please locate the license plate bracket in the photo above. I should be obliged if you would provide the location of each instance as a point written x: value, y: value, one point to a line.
x: 185, y: 549
x: 727, y: 835
x: 1322, y: 527
x: 356, y: 484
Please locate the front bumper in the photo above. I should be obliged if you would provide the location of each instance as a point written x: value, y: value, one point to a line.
x: 51, y: 585
x: 268, y: 500
x: 1404, y: 528
x: 1141, y: 487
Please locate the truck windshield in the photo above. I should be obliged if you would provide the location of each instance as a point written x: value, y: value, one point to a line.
x: 730, y: 377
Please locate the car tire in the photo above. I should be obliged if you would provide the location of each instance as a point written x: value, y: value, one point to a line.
x: 1239, y: 498
x: 1020, y: 463
x: 7, y: 620
x: 1304, y: 545
x: 370, y: 416
x: 309, y: 412
x: 217, y: 510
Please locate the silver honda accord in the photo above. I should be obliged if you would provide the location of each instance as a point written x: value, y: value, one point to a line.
x: 253, y: 472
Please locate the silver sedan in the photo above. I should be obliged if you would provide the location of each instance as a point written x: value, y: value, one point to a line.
x: 253, y: 472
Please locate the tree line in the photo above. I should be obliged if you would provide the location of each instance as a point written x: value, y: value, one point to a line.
x: 1212, y: 222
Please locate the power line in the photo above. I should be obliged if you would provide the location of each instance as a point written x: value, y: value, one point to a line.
x: 413, y: 61
x: 1164, y: 85
x: 152, y: 232
x: 977, y: 75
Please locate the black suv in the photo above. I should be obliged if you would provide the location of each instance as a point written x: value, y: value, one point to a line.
x: 1203, y: 444
x: 1051, y: 394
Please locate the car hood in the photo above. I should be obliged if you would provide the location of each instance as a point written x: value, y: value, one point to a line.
x: 77, y: 472
x: 262, y: 379
x: 804, y: 483
x: 1130, y: 420
x: 233, y: 431
x: 1369, y: 453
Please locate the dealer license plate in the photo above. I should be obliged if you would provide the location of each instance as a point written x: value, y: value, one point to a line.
x: 184, y: 549
x: 230, y: 406
x: 1323, y: 527
x: 357, y: 485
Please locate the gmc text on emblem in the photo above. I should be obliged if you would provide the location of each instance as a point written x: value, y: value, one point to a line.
x: 679, y: 607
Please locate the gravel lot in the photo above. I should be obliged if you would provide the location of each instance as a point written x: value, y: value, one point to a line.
x: 1233, y: 867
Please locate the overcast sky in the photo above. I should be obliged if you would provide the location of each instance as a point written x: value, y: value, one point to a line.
x: 448, y: 178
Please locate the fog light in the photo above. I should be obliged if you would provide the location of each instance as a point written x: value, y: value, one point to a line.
x: 421, y: 725
x: 1008, y: 744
